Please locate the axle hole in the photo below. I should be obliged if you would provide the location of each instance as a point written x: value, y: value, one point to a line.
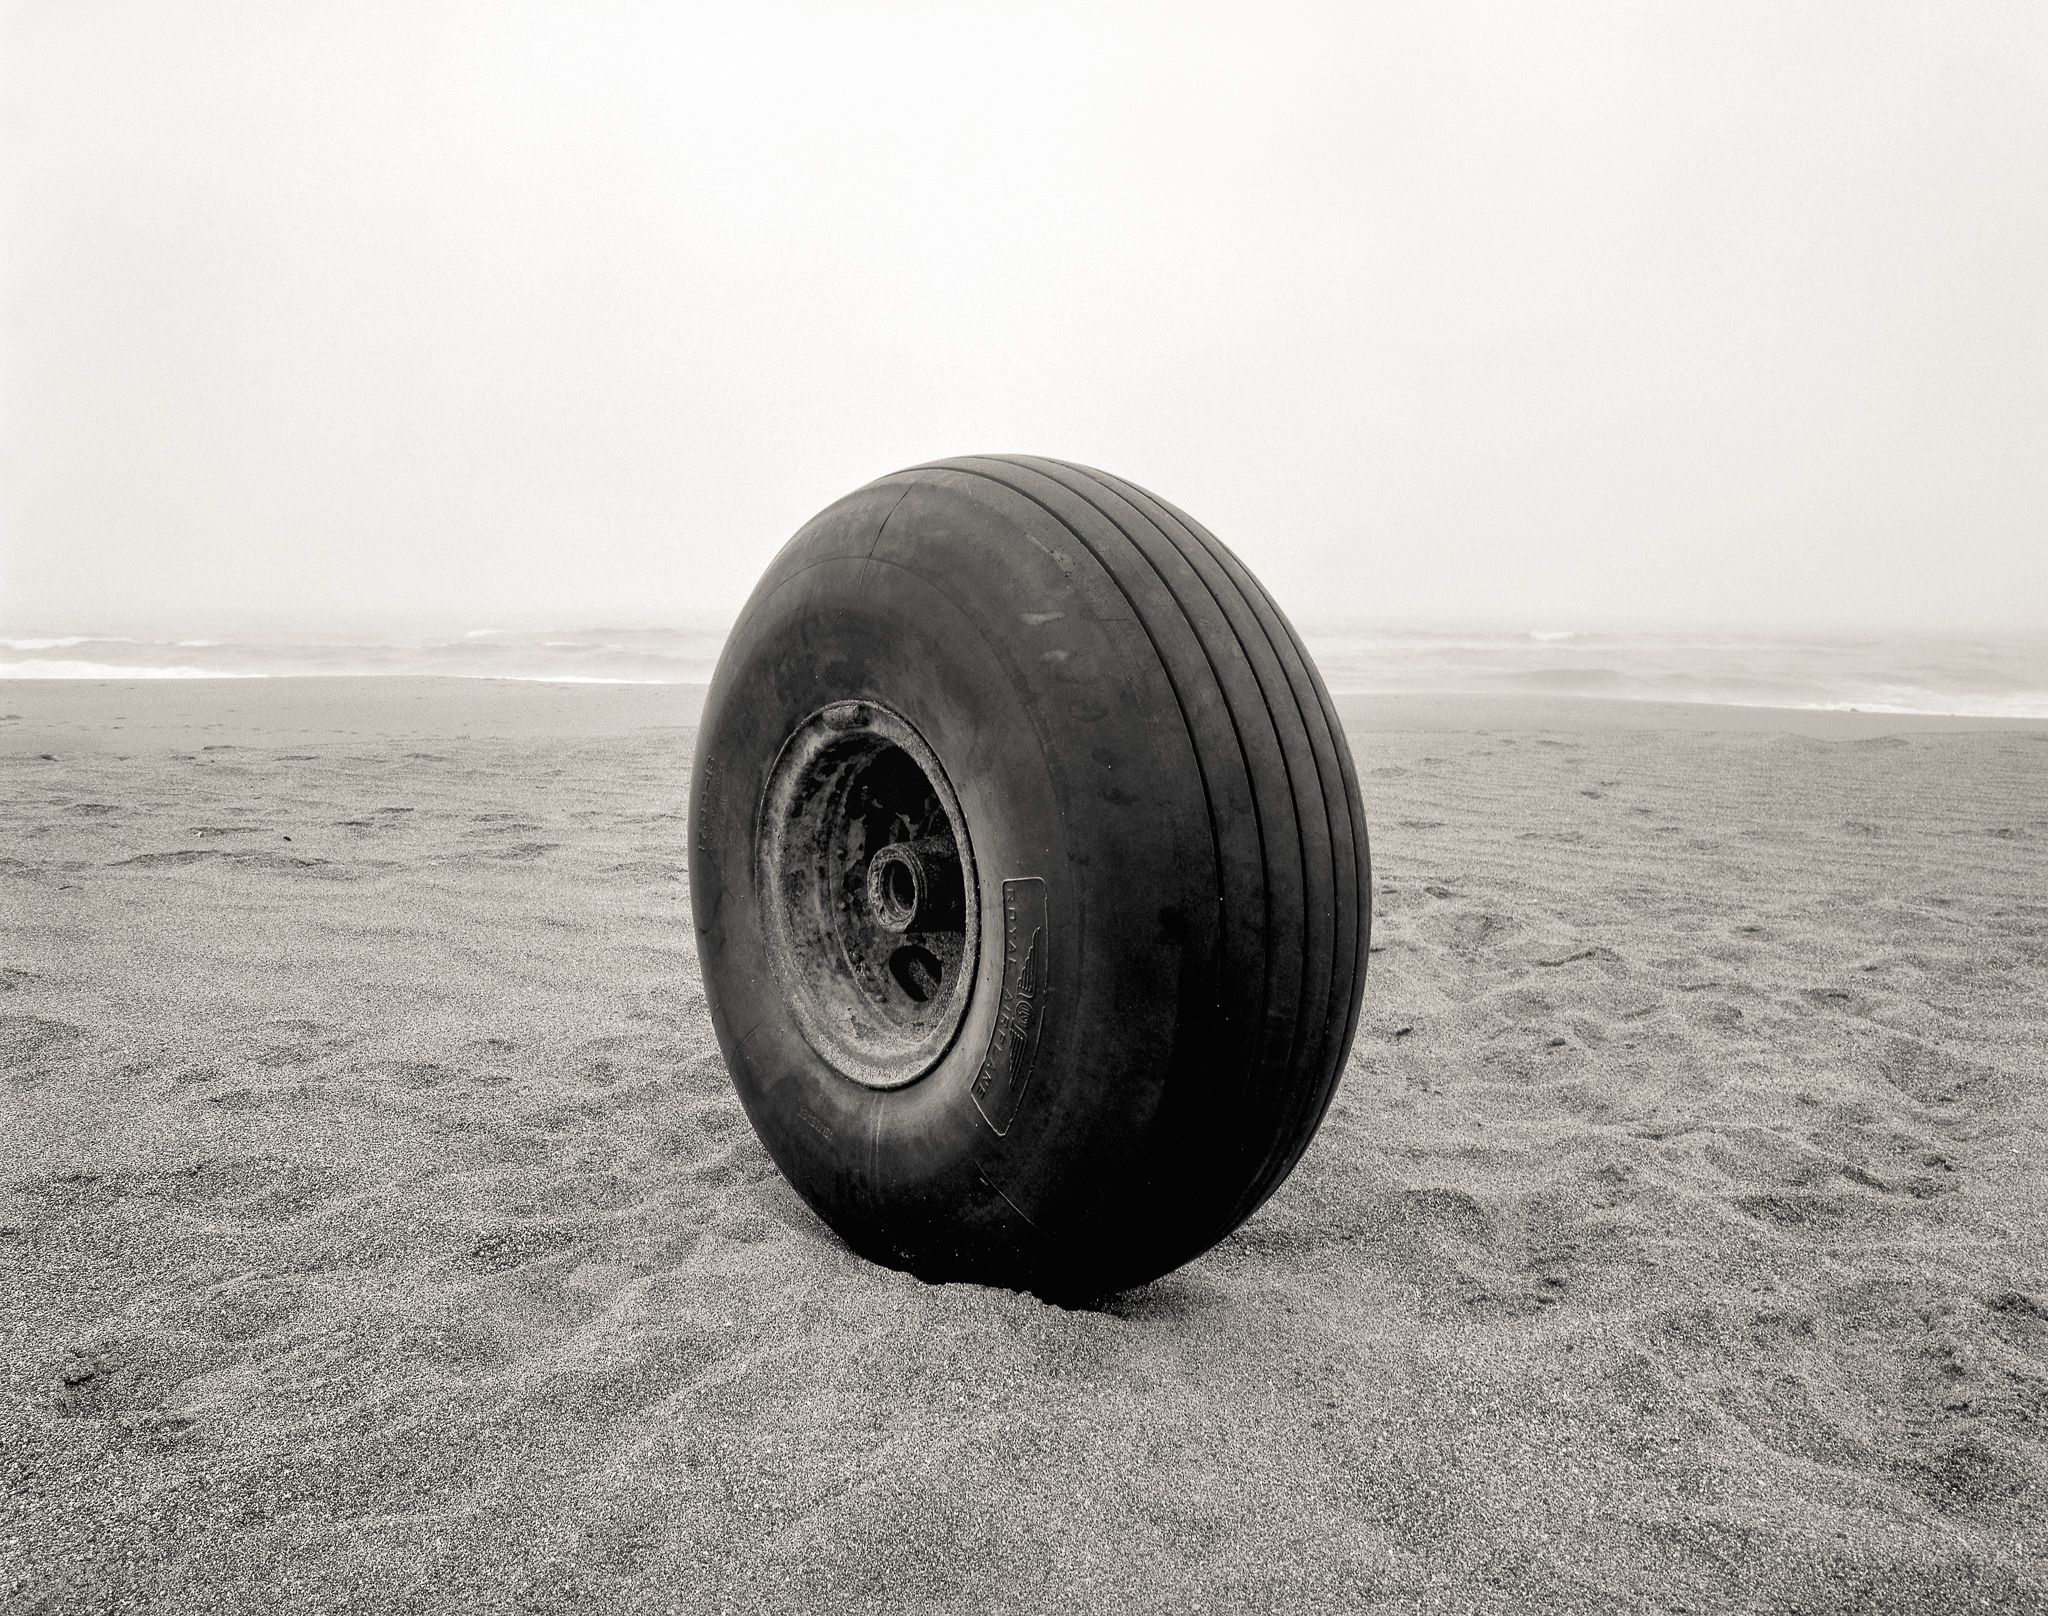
x: 902, y: 885
x: 916, y: 972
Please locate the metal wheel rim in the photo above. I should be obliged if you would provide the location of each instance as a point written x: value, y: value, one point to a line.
x: 867, y: 884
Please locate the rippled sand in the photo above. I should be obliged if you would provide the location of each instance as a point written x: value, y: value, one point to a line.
x: 377, y: 1227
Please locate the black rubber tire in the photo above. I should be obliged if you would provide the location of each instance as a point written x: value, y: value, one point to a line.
x: 1126, y: 717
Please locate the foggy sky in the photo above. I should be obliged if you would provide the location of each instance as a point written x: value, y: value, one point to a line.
x: 1554, y: 315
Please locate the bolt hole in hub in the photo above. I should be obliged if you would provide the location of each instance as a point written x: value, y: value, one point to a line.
x: 868, y: 889
x: 917, y: 971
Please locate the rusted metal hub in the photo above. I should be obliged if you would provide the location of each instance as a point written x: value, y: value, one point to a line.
x: 915, y: 886
x: 867, y: 886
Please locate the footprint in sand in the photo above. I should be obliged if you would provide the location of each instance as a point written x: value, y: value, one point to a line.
x: 1799, y: 1211
x: 564, y: 1116
x: 458, y: 1339
x: 247, y: 1309
x: 77, y: 1192
x: 292, y: 1041
x: 127, y: 1377
x: 251, y: 1190
x: 1502, y: 1297
x: 1975, y: 1475
x: 413, y: 1075
x: 600, y: 1189
x: 238, y: 1099
x: 514, y: 1149
x: 722, y: 1121
x: 516, y: 1245
x: 730, y: 1166
x: 489, y: 1060
x: 29, y: 1043
x: 1934, y: 1076
x: 1554, y: 956
x: 1471, y: 933
x: 743, y: 1225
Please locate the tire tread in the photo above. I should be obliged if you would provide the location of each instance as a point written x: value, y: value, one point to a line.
x: 1314, y: 868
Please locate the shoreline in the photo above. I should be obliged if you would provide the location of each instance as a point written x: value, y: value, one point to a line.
x: 41, y: 715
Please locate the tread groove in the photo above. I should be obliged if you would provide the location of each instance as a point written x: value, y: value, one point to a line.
x: 1280, y: 693
x: 1332, y: 754
x: 1271, y: 1067
x: 1314, y: 1048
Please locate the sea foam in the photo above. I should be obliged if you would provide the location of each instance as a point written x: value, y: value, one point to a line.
x: 1995, y: 677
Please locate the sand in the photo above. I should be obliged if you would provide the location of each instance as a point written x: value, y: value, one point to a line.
x: 378, y: 1230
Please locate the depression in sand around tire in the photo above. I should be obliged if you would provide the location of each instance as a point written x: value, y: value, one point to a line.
x: 1029, y: 876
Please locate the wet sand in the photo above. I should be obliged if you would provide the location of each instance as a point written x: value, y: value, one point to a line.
x: 378, y: 1230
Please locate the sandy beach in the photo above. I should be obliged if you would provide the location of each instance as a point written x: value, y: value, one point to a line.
x: 378, y: 1230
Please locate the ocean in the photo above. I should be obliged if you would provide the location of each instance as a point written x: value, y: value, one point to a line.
x: 2003, y: 676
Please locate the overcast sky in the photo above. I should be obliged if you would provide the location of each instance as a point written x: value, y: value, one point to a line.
x: 1545, y: 314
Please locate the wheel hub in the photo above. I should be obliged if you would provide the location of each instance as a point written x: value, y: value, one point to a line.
x: 867, y: 885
